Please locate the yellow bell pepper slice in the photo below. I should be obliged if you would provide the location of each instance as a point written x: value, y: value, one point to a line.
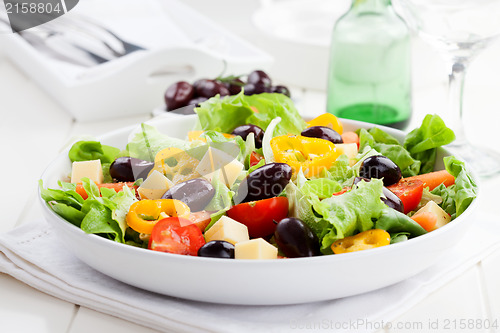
x: 328, y: 120
x: 144, y: 214
x: 311, y: 154
x: 176, y: 164
x: 363, y: 241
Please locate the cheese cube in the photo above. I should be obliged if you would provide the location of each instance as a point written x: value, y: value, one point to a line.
x: 350, y: 149
x: 216, y: 163
x: 90, y: 169
x: 442, y: 216
x: 256, y: 248
x: 155, y: 186
x: 228, y: 230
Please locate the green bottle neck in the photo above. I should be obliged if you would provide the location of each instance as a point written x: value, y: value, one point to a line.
x: 376, y: 6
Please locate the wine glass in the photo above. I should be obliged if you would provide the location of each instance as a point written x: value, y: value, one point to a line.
x: 459, y: 30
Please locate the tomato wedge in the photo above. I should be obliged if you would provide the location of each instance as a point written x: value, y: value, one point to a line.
x: 259, y: 216
x: 409, y: 192
x: 176, y: 235
x: 255, y: 158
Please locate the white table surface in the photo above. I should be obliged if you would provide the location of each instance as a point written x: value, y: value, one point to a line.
x: 33, y: 129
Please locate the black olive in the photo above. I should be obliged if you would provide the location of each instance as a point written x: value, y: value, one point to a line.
x: 380, y: 167
x: 265, y: 182
x: 323, y: 132
x: 295, y: 239
x: 178, y: 95
x: 196, y: 193
x: 279, y: 89
x: 244, y: 130
x: 217, y: 249
x: 129, y: 169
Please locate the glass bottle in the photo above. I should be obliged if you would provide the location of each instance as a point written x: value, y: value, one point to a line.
x: 370, y: 65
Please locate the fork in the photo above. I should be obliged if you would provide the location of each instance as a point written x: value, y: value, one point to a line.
x: 87, y: 26
x: 39, y: 42
x: 38, y: 37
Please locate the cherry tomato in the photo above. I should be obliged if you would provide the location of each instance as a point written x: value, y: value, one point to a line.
x: 409, y: 192
x: 259, y: 216
x: 176, y: 235
x: 255, y: 158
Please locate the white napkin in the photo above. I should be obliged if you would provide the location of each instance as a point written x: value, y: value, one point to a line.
x: 33, y: 254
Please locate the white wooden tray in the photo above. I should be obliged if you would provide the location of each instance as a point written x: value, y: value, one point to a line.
x: 188, y: 46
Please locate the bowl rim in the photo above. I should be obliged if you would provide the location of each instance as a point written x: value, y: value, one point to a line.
x: 331, y: 259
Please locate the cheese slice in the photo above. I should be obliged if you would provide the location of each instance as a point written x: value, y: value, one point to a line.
x: 90, y: 169
x: 256, y: 248
x: 228, y: 230
x: 432, y: 207
x: 349, y: 149
x: 216, y: 163
x: 155, y: 186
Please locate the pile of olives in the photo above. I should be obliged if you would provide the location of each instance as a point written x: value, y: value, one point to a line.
x: 182, y: 93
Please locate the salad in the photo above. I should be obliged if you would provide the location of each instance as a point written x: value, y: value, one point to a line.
x: 253, y: 180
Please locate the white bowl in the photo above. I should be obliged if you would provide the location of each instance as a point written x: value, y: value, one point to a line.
x: 251, y: 282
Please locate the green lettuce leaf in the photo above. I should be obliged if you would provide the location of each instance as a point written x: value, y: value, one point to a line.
x: 340, y: 172
x: 98, y: 213
x: 103, y: 212
x: 457, y: 197
x: 321, y: 187
x: 275, y: 105
x: 66, y: 195
x: 355, y: 211
x: 417, y: 155
x: 351, y: 212
x: 431, y: 134
x: 147, y: 143
x: 399, y: 237
x: 339, y: 216
x: 393, y: 221
x: 69, y: 213
x: 98, y: 220
x: 390, y: 147
x: 225, y: 114
x: 422, y: 142
x: 236, y: 147
x: 301, y: 206
x: 223, y: 196
x: 123, y: 200
x: 447, y: 194
x: 92, y: 150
